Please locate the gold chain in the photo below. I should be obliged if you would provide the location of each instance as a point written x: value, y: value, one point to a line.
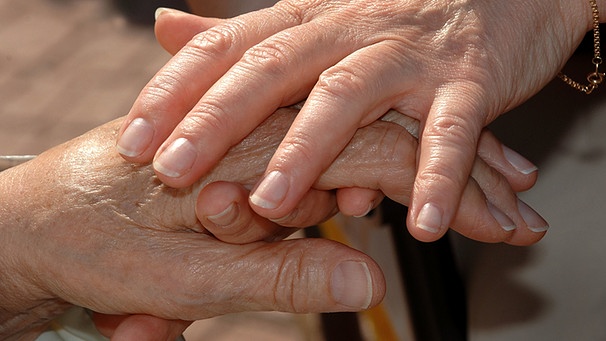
x: 595, y: 78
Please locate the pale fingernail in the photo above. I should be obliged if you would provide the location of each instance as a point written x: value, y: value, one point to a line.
x: 520, y: 163
x: 225, y: 218
x: 160, y: 11
x: 370, y: 207
x: 271, y: 191
x: 533, y: 220
x: 501, y: 218
x: 430, y: 218
x: 177, y: 159
x: 351, y: 285
x: 136, y: 138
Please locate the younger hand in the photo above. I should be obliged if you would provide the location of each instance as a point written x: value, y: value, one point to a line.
x: 453, y: 65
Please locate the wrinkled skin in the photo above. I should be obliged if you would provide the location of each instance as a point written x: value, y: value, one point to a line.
x: 85, y: 227
x: 453, y: 65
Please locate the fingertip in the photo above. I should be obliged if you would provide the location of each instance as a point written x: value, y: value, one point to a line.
x: 222, y: 208
x: 271, y: 191
x: 520, y: 163
x: 135, y: 139
x: 357, y: 202
x: 427, y: 225
x: 430, y: 218
x: 162, y: 10
x: 177, y: 163
x: 218, y: 205
x: 274, y: 196
x: 352, y: 285
x: 357, y: 284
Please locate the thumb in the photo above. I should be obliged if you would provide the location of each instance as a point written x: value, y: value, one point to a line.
x: 299, y: 276
x: 174, y: 28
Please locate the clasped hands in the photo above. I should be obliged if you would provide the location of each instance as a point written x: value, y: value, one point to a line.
x: 151, y: 255
x: 453, y: 65
x: 88, y: 228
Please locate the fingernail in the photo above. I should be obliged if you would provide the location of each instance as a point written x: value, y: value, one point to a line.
x: 370, y: 207
x: 271, y: 191
x: 351, y: 285
x: 225, y: 218
x: 136, y: 138
x: 520, y: 163
x: 533, y: 220
x: 160, y: 11
x: 177, y: 159
x: 501, y: 218
x: 430, y: 218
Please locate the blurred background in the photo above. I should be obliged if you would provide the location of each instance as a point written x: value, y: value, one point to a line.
x: 67, y: 66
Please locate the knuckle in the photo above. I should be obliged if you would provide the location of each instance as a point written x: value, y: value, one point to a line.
x: 207, y: 118
x: 342, y: 82
x: 300, y: 148
x: 165, y: 93
x: 296, y: 284
x: 271, y: 57
x: 301, y: 10
x: 452, y: 129
x: 449, y: 180
x: 397, y: 146
x: 218, y: 40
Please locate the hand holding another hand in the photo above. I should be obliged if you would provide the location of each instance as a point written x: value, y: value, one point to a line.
x: 454, y: 66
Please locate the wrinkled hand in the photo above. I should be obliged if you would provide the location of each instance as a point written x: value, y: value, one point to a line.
x: 85, y: 227
x: 110, y: 237
x: 490, y: 210
x: 453, y: 65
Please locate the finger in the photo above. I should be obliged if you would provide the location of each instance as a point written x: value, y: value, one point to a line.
x: 505, y: 206
x: 447, y: 150
x: 315, y: 207
x: 358, y: 202
x: 353, y: 93
x: 301, y: 276
x: 277, y: 72
x: 223, y: 209
x: 174, y: 29
x: 520, y: 173
x: 390, y: 167
x: 176, y: 88
x: 138, y: 327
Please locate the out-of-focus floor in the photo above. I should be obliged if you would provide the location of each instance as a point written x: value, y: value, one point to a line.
x: 67, y: 66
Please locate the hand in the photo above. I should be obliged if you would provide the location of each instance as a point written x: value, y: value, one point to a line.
x: 108, y: 225
x: 84, y: 227
x: 174, y: 29
x: 490, y: 210
x: 454, y: 66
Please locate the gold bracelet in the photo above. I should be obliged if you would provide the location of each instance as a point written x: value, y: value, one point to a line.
x: 595, y: 78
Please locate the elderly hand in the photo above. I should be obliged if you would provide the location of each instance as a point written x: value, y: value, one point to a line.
x: 84, y: 227
x: 79, y: 225
x: 453, y: 65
